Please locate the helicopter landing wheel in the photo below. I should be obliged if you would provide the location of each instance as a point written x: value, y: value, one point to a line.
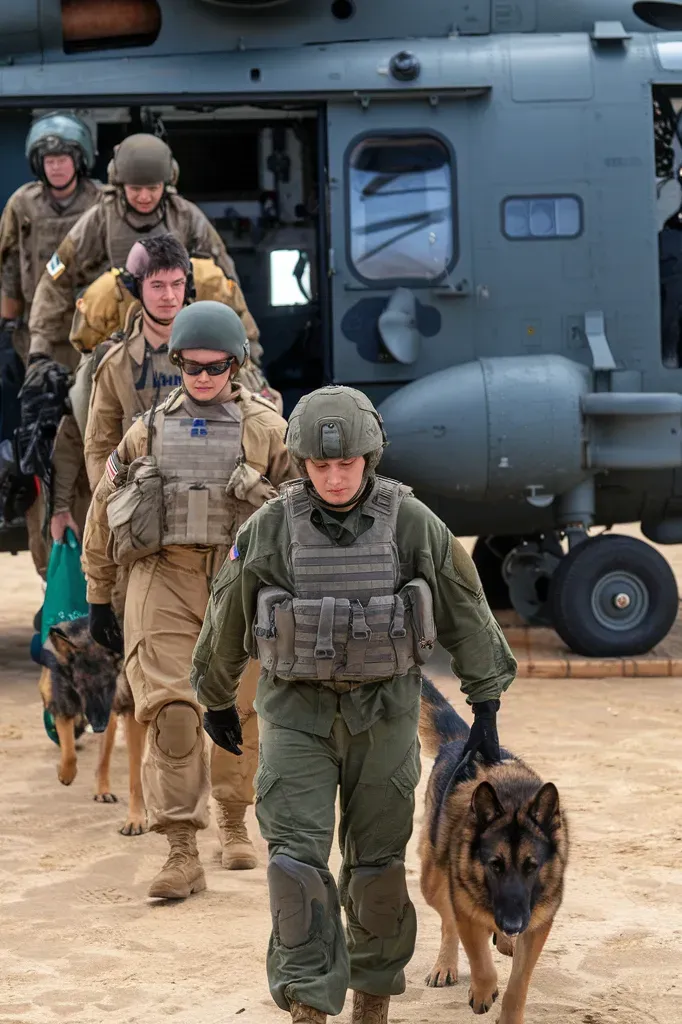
x: 613, y: 596
x: 528, y: 570
x: 488, y: 555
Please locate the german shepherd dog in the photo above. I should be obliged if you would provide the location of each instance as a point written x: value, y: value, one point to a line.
x: 80, y: 679
x: 493, y: 849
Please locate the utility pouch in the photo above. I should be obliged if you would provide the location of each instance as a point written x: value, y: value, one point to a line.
x: 418, y: 602
x: 272, y: 609
x: 135, y: 513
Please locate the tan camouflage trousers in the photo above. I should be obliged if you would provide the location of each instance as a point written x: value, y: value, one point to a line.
x: 166, y: 600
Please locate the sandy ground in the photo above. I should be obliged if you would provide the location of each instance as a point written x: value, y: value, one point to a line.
x: 80, y: 942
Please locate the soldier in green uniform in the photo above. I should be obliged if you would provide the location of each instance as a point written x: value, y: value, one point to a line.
x: 340, y: 586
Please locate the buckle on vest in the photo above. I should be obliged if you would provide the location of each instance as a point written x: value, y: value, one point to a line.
x: 358, y: 623
x: 324, y: 643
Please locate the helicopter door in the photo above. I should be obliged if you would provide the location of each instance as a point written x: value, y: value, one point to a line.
x: 399, y: 251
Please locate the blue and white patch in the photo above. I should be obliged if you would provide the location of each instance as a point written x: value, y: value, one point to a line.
x: 55, y: 267
x: 234, y: 553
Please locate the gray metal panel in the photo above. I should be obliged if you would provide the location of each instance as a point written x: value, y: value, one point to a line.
x: 447, y: 65
x: 514, y: 15
x: 560, y: 71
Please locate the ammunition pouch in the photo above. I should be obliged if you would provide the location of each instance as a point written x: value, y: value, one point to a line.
x: 339, y: 641
x: 135, y: 513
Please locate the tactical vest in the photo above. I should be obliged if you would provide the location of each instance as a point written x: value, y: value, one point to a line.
x: 121, y: 235
x: 196, y: 457
x: 43, y: 228
x: 346, y: 622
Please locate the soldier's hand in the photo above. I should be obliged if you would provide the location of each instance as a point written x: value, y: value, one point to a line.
x: 483, y: 736
x: 104, y: 627
x: 225, y: 729
x: 60, y: 523
x: 36, y: 357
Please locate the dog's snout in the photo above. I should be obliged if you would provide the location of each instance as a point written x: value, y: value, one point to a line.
x: 512, y: 925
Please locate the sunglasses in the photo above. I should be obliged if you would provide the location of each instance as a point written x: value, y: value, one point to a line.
x: 193, y: 369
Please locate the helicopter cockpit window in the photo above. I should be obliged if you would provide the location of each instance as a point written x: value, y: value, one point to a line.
x: 538, y: 217
x: 401, y: 208
x: 289, y: 278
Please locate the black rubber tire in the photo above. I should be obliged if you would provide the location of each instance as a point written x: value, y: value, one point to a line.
x: 574, y: 592
x: 489, y: 566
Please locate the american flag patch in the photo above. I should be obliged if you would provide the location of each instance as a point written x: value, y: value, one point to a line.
x: 234, y: 553
x: 113, y: 466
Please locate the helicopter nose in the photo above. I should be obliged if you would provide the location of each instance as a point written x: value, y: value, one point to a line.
x: 438, y: 433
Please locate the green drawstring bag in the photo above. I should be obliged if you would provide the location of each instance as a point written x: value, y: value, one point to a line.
x: 64, y: 600
x: 65, y: 588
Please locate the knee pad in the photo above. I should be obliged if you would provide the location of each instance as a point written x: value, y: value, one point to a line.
x: 177, y: 729
x: 298, y: 899
x: 379, y: 897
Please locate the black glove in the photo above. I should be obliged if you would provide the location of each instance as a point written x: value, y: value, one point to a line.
x: 36, y: 357
x: 483, y: 736
x: 104, y: 627
x: 224, y: 728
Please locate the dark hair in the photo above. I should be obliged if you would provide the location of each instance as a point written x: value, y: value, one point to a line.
x: 165, y: 252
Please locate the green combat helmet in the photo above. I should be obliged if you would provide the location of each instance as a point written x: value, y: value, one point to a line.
x: 143, y: 160
x: 208, y: 324
x: 335, y: 422
x: 60, y: 133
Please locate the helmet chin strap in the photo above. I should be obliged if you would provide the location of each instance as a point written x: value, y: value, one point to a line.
x: 156, y: 320
x: 130, y: 210
x: 216, y: 400
x: 349, y: 505
x: 61, y: 188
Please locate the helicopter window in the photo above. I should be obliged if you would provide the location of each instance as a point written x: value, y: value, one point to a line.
x: 289, y: 278
x: 401, y: 208
x: 538, y: 217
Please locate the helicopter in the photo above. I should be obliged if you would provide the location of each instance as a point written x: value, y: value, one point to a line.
x: 461, y: 208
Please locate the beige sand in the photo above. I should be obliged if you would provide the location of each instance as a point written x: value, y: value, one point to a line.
x: 79, y: 941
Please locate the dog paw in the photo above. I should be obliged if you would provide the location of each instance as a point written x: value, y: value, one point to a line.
x: 443, y: 973
x: 504, y: 944
x: 105, y: 798
x: 67, y: 771
x: 134, y: 827
x: 482, y: 998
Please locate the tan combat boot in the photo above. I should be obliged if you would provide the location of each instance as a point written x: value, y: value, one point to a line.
x: 182, y: 874
x: 301, y: 1014
x: 238, y: 850
x: 369, y: 1009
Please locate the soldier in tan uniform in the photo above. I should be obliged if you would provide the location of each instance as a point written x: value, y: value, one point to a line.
x: 122, y: 325
x: 140, y: 201
x: 61, y: 152
x: 37, y: 217
x: 174, y: 493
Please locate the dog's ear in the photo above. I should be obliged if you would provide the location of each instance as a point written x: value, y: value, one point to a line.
x: 486, y: 805
x: 544, y: 808
x: 61, y: 642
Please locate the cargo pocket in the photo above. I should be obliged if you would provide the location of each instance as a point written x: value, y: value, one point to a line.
x: 264, y: 780
x: 407, y: 775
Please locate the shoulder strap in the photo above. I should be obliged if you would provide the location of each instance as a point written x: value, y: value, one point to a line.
x: 109, y: 353
x: 296, y: 500
x: 386, y: 497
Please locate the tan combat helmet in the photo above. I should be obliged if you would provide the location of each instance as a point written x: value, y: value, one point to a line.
x: 335, y: 422
x: 141, y: 160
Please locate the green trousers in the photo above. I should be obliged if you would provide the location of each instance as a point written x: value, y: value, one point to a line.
x: 310, y: 958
